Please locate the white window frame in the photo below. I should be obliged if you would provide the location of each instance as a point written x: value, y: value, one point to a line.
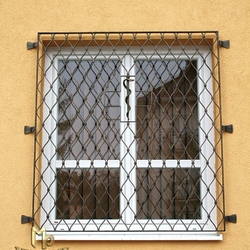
x: 106, y: 233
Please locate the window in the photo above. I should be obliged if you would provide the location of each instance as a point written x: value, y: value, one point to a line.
x: 128, y: 138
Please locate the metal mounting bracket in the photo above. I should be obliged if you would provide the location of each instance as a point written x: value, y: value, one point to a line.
x: 31, y: 45
x: 28, y: 130
x: 225, y: 44
x: 26, y: 219
x: 227, y: 128
x: 231, y: 218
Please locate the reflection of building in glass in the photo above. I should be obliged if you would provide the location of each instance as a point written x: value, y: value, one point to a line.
x: 167, y: 118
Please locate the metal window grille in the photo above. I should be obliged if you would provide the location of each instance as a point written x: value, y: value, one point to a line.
x: 128, y: 132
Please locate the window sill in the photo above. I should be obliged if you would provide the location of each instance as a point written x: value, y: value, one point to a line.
x: 145, y: 236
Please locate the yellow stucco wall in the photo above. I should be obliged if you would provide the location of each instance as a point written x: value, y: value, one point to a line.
x: 21, y: 20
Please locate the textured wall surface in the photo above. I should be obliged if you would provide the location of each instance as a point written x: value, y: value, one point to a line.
x: 21, y: 20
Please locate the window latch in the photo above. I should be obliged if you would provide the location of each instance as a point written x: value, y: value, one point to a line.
x: 126, y: 86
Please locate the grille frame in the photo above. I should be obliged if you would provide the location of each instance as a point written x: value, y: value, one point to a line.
x: 128, y: 40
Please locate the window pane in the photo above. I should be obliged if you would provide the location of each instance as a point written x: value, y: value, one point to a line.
x: 167, y: 110
x: 169, y: 193
x: 89, y: 110
x: 87, y: 194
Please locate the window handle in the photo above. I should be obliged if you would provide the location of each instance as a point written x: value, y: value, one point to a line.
x: 126, y: 86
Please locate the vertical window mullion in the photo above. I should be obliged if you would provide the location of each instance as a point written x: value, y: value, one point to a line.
x: 128, y: 144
